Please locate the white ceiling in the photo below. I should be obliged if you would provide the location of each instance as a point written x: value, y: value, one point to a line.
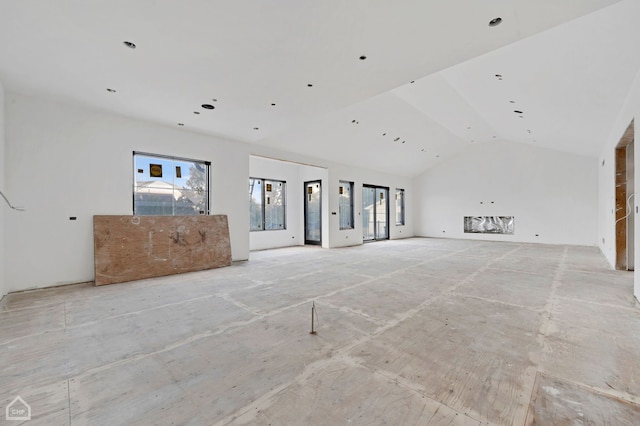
x: 566, y: 64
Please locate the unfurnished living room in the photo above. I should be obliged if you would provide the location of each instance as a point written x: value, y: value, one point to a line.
x: 319, y: 213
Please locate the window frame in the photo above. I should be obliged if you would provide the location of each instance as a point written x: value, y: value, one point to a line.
x: 206, y: 164
x: 263, y: 205
x: 401, y: 211
x: 349, y: 184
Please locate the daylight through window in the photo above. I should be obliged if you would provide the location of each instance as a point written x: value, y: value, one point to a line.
x: 399, y: 206
x: 345, y: 205
x: 266, y: 204
x: 169, y: 186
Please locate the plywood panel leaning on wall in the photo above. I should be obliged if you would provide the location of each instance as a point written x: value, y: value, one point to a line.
x: 128, y: 248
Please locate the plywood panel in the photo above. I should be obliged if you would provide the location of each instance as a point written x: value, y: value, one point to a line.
x: 130, y: 248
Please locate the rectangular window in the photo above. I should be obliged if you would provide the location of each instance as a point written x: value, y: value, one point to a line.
x: 266, y: 204
x: 399, y: 206
x: 169, y: 186
x: 345, y: 205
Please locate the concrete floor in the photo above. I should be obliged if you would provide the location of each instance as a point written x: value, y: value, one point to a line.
x: 415, y: 331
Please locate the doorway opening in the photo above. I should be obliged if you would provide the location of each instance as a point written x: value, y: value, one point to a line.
x: 625, y: 192
x: 375, y: 213
x: 313, y: 212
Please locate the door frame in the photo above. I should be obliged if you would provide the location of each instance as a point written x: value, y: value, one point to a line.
x: 624, y: 190
x: 375, y: 224
x: 304, y: 189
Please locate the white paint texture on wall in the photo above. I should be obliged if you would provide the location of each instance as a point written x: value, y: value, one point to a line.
x: 263, y: 168
x: 606, y: 182
x: 360, y: 177
x: 3, y: 207
x: 331, y: 174
x: 294, y: 176
x: 64, y: 161
x: 553, y: 195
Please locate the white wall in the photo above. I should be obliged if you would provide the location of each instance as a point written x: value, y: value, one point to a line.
x: 360, y: 177
x: 64, y: 161
x: 3, y: 207
x: 606, y: 182
x: 330, y: 175
x: 294, y: 174
x: 552, y: 195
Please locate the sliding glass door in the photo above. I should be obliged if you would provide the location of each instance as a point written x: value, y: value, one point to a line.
x: 375, y: 213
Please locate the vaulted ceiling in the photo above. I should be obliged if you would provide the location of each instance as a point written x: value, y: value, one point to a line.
x: 391, y: 86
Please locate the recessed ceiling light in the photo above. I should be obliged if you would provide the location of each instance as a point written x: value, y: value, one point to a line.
x: 495, y: 22
x: 207, y: 106
x: 309, y: 85
x: 129, y: 44
x: 517, y: 112
x: 111, y: 90
x: 273, y: 104
x: 362, y: 58
x: 180, y: 124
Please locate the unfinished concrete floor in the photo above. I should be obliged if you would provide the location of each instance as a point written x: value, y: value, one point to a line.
x: 416, y: 331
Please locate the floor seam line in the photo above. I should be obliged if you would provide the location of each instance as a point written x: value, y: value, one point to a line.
x: 592, y: 302
x: 69, y: 398
x: 620, y: 396
x: 544, y: 327
x: 342, y: 352
x: 404, y: 385
x: 499, y: 302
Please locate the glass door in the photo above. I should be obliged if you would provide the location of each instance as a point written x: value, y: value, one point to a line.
x: 375, y: 213
x: 382, y: 216
x: 368, y: 213
x: 312, y: 213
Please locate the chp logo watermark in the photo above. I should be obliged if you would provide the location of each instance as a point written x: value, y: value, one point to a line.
x: 18, y: 410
